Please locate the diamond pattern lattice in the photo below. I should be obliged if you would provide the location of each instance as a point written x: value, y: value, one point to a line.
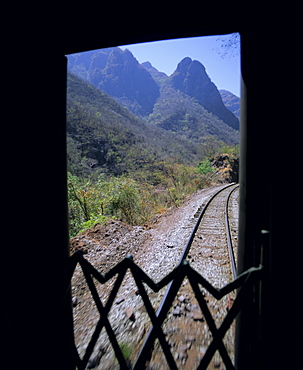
x: 173, y: 281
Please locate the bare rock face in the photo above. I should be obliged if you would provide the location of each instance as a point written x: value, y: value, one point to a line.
x: 191, y: 78
x: 226, y: 167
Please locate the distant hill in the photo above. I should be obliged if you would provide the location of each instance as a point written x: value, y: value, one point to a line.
x: 231, y: 101
x: 104, y: 136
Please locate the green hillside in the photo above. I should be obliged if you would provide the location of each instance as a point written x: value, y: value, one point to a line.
x: 104, y: 137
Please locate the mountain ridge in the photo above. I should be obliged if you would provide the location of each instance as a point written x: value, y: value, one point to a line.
x: 138, y: 86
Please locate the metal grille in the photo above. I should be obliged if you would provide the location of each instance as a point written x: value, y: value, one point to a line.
x: 244, y: 283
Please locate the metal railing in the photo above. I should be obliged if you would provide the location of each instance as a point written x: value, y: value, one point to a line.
x: 243, y: 283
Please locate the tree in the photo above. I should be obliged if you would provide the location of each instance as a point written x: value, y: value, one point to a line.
x: 205, y: 168
x: 230, y: 45
x: 210, y: 147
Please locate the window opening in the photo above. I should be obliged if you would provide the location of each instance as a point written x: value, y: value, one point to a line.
x: 149, y: 126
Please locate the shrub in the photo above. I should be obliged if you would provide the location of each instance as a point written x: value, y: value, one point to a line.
x: 135, y: 201
x: 205, y: 168
x: 124, y: 200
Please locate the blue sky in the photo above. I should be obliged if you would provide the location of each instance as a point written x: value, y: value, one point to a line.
x: 165, y: 56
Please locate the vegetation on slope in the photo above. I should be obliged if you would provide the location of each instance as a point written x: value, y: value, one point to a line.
x: 104, y: 137
x: 134, y: 200
x: 121, y: 166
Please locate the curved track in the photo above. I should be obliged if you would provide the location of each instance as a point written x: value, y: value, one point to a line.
x: 211, y: 239
x: 212, y: 233
x: 210, y: 252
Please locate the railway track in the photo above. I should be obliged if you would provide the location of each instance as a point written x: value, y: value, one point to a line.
x: 212, y: 246
x: 211, y: 251
x: 185, y: 327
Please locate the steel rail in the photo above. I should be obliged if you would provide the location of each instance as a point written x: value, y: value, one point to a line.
x: 193, y: 234
x: 228, y: 235
x: 148, y: 342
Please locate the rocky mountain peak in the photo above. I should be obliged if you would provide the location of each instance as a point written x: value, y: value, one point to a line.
x: 147, y: 65
x: 119, y: 74
x: 122, y: 58
x: 184, y: 64
x: 191, y: 78
x: 98, y: 60
x: 196, y: 67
